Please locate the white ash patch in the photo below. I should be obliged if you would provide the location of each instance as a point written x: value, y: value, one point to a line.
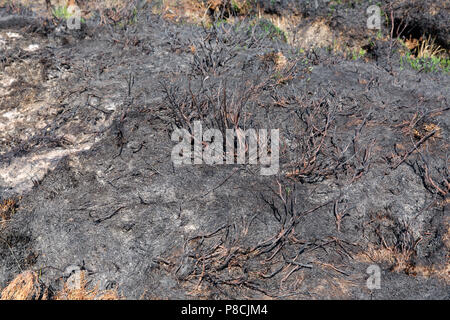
x: 21, y: 174
x: 13, y: 35
x: 32, y: 48
x: 190, y: 228
x: 5, y: 83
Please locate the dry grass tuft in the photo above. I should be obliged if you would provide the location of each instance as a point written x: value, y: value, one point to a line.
x: 424, y: 47
x: 333, y: 288
x: 400, y: 261
x: 24, y: 287
x: 27, y: 287
x: 277, y: 58
x: 426, y: 129
x: 7, y: 210
x: 84, y: 293
x: 427, y: 48
x: 446, y: 237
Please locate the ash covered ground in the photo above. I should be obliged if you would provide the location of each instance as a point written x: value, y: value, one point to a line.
x: 87, y: 179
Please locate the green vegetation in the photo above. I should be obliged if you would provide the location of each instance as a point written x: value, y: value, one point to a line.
x: 272, y: 30
x: 427, y: 64
x: 357, y: 54
x: 235, y: 6
x: 62, y: 12
x: 425, y: 56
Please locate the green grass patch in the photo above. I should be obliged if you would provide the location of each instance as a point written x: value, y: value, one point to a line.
x: 271, y: 30
x: 62, y: 13
x: 427, y: 64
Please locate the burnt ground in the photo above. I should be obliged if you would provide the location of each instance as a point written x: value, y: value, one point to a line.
x: 86, y: 124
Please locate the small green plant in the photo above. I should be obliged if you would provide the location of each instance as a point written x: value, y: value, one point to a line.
x: 220, y: 22
x: 426, y: 64
x: 428, y: 48
x: 425, y: 56
x: 272, y: 30
x: 62, y: 13
x: 379, y: 35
